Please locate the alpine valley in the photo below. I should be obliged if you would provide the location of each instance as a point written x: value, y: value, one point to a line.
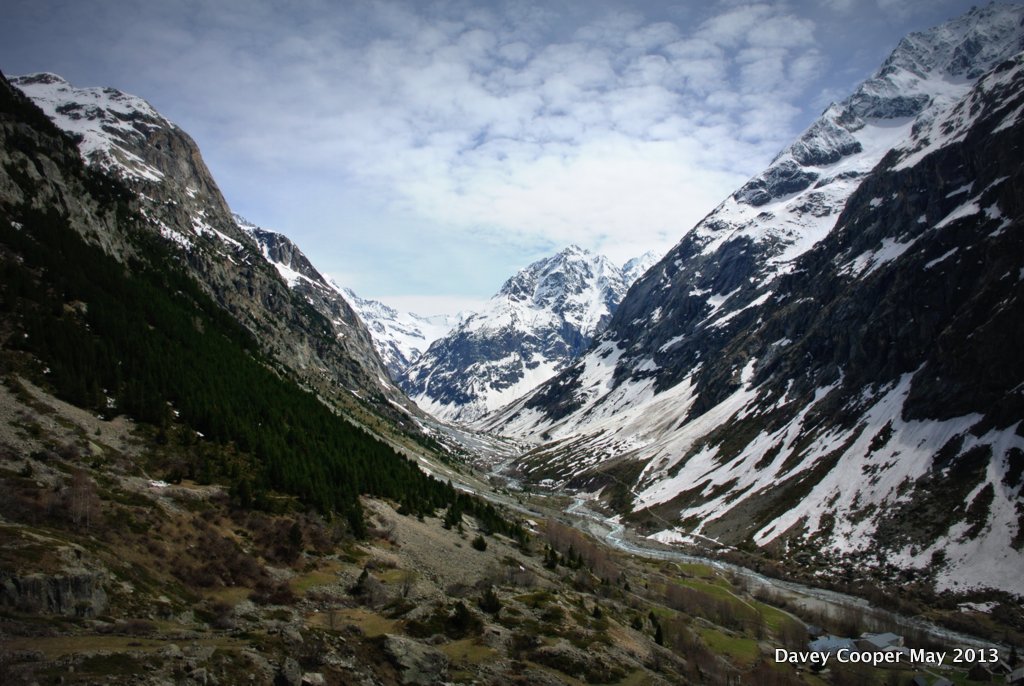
x: 219, y: 466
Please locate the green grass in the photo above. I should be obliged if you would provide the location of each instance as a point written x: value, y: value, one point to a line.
x: 370, y: 623
x: 697, y: 569
x: 741, y: 650
x: 711, y: 588
x: 774, y: 618
x: 468, y: 652
x: 535, y: 599
x: 320, y: 577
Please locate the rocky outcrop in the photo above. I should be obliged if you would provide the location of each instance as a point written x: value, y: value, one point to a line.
x: 72, y: 594
x: 417, y: 664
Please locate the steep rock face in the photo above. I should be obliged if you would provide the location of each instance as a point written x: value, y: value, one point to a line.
x: 308, y: 330
x: 314, y: 288
x: 74, y: 594
x: 542, y: 318
x: 828, y: 360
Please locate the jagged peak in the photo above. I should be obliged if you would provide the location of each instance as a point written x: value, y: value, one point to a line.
x: 635, y: 267
x: 550, y: 276
x: 966, y: 46
x: 261, y: 234
x: 573, y: 249
x: 930, y: 68
x: 244, y: 224
x: 44, y: 77
x: 364, y: 306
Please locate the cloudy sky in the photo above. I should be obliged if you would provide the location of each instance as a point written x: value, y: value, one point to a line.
x: 420, y: 152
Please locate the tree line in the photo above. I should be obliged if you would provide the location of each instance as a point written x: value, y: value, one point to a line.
x: 144, y: 340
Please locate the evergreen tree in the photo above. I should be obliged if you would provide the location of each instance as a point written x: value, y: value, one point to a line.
x: 489, y: 602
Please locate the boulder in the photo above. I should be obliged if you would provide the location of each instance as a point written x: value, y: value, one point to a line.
x: 417, y: 664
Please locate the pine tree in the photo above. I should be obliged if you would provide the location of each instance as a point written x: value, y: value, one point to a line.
x: 489, y: 602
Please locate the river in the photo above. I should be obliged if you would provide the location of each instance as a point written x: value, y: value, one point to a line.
x: 617, y: 536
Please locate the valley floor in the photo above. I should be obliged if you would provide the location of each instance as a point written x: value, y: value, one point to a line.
x: 112, y: 574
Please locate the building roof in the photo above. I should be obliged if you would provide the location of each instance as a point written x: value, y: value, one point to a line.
x: 830, y: 644
x: 882, y: 640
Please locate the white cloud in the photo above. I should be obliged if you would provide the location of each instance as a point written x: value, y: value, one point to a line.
x: 430, y: 305
x: 626, y: 129
x: 514, y: 121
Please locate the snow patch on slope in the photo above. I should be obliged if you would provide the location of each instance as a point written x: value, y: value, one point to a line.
x: 101, y: 119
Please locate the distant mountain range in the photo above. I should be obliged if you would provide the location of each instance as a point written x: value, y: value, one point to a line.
x: 401, y: 337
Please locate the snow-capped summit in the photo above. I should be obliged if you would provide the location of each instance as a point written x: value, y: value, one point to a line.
x: 634, y: 268
x: 575, y: 285
x: 795, y: 201
x: 124, y: 136
x: 107, y: 124
x: 540, y: 319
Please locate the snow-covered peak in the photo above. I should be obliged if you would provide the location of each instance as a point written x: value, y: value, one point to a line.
x: 795, y: 202
x: 106, y: 122
x: 636, y: 267
x: 575, y: 285
x: 964, y: 47
x: 400, y: 337
x: 541, y: 319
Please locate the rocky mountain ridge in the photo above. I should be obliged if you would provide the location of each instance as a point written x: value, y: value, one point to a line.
x: 304, y: 324
x: 540, y: 319
x: 824, y: 366
x: 399, y: 337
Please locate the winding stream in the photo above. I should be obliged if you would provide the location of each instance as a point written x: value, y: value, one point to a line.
x: 615, y: 535
x: 805, y: 597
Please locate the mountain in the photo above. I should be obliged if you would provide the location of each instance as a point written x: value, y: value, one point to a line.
x: 825, y: 367
x: 398, y: 337
x: 176, y: 505
x: 541, y: 318
x: 401, y: 337
x: 260, y: 277
x: 634, y: 268
x: 115, y: 325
